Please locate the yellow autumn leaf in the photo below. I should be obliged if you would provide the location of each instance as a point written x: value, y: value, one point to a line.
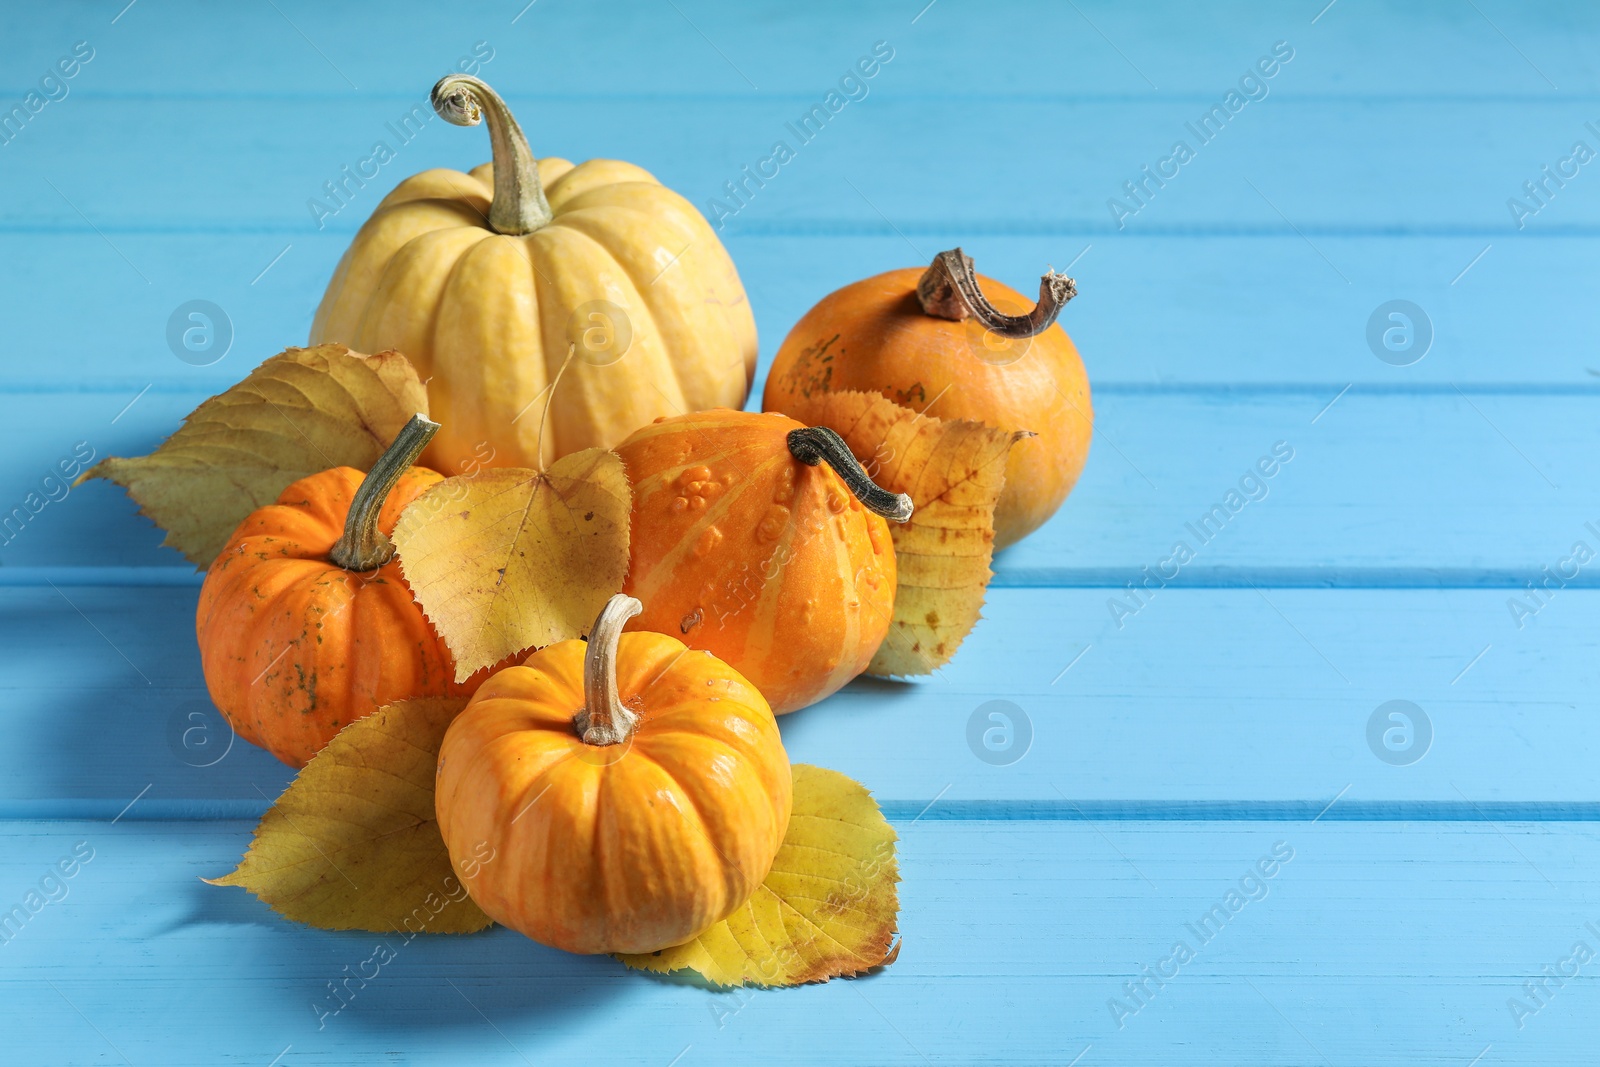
x: 508, y: 559
x: 953, y: 470
x: 302, y: 411
x: 828, y: 909
x: 353, y: 843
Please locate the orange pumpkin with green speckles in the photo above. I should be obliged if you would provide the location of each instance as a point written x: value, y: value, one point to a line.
x: 763, y: 542
x: 932, y: 340
x: 306, y: 625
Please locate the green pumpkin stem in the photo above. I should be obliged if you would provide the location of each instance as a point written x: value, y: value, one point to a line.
x: 519, y: 205
x: 605, y: 719
x: 949, y: 289
x: 364, y: 547
x: 814, y: 444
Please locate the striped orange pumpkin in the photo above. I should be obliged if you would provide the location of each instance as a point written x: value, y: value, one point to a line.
x: 749, y: 546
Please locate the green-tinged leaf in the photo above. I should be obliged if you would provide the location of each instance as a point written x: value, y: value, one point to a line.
x: 353, y: 843
x: 302, y: 411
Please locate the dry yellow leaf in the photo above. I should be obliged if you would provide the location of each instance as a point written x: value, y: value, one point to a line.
x: 508, y: 559
x: 828, y: 909
x: 302, y: 411
x: 353, y: 843
x: 953, y: 470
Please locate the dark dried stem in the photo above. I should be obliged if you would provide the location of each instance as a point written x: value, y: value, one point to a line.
x: 815, y: 444
x: 949, y: 289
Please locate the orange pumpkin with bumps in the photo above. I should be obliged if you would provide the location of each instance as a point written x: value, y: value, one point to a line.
x: 305, y: 623
x: 764, y: 542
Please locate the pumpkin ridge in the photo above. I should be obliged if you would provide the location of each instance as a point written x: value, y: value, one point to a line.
x: 428, y: 179
x: 608, y: 238
x: 601, y: 842
x: 486, y: 305
x: 546, y: 379
x: 568, y: 214
x: 663, y: 478
x: 316, y: 502
x: 523, y: 803
x: 663, y: 570
x: 340, y: 631
x: 259, y: 696
x: 381, y: 628
x: 641, y: 288
x: 635, y: 305
x: 580, y: 420
x: 658, y: 737
x: 765, y: 617
x: 343, y: 310
x: 844, y: 670
x: 400, y: 266
x: 640, y: 693
x: 590, y: 175
x: 454, y: 205
x: 734, y: 876
x: 459, y: 197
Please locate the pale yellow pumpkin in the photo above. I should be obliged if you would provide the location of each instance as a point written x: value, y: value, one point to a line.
x: 487, y: 280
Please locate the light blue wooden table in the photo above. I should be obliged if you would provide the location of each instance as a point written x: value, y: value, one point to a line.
x: 1430, y: 878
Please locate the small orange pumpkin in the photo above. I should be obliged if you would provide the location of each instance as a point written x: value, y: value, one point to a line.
x: 747, y: 545
x: 931, y: 340
x: 619, y: 796
x: 305, y: 623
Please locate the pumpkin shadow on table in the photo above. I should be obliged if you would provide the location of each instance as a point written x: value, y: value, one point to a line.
x: 132, y: 718
x: 880, y: 687
x: 154, y: 745
x: 389, y: 983
x: 858, y: 701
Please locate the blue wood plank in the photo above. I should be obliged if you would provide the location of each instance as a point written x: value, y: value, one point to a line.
x: 1421, y: 933
x: 1281, y: 167
x: 1246, y: 701
x: 1153, y: 49
x: 1152, y: 312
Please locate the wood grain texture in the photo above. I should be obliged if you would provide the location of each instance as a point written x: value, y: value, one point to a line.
x: 1422, y: 930
x: 1286, y: 167
x: 1375, y: 49
x: 1506, y: 324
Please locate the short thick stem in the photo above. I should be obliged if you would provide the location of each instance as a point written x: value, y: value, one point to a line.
x: 949, y: 289
x: 519, y: 204
x: 816, y: 444
x: 605, y: 719
x: 363, y: 546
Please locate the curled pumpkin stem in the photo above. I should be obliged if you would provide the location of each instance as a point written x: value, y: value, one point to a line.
x: 364, y: 547
x: 949, y: 289
x: 814, y: 444
x: 519, y: 204
x: 605, y: 719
